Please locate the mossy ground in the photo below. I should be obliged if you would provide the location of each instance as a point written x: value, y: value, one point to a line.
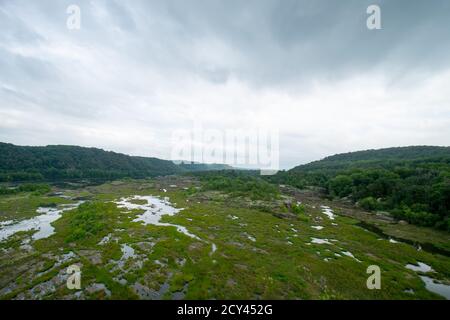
x: 262, y: 251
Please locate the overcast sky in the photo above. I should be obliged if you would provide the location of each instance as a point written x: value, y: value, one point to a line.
x: 137, y: 71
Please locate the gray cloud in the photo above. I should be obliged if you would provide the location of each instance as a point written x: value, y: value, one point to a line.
x: 139, y: 70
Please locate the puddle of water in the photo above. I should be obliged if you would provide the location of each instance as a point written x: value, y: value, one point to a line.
x: 422, y: 267
x: 105, y: 240
x: 127, y: 252
x: 145, y: 292
x: 317, y: 227
x: 41, y: 223
x: 65, y: 257
x: 436, y: 287
x: 428, y: 247
x: 153, y: 211
x: 320, y: 241
x: 159, y: 263
x: 328, y: 212
x: 179, y: 295
x: 5, y: 223
x: 213, y: 249
x: 349, y: 254
x: 431, y: 284
x: 124, y: 264
x: 96, y: 287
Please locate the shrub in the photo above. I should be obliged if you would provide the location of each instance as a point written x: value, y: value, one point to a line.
x: 89, y: 219
x: 421, y: 218
x: 298, y: 209
x: 368, y: 203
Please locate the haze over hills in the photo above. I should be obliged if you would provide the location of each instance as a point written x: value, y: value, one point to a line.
x: 196, y: 166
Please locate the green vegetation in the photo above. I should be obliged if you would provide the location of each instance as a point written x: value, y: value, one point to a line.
x: 37, y: 189
x: 412, y: 183
x: 259, y: 255
x: 252, y: 238
x: 18, y: 163
x: 298, y: 209
x: 59, y: 162
x: 21, y: 205
x: 368, y: 203
x: 239, y: 184
x: 88, y: 220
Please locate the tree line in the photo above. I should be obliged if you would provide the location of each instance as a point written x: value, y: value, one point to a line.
x: 411, y: 183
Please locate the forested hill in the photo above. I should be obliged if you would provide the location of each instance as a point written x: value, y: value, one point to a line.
x: 413, y: 183
x: 381, y: 158
x: 19, y: 163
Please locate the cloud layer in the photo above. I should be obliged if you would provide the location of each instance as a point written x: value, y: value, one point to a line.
x: 137, y: 71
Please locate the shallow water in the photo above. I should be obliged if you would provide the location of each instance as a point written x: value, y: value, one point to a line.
x: 428, y: 247
x: 213, y: 248
x: 349, y: 254
x: 422, y: 267
x: 96, y: 287
x: 431, y: 284
x: 5, y: 223
x: 436, y: 287
x: 320, y: 241
x: 41, y: 223
x: 127, y: 252
x: 328, y: 212
x: 105, y: 240
x: 149, y: 294
x: 153, y: 211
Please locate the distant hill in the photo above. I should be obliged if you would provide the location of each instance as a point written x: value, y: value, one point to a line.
x: 196, y: 166
x: 18, y: 163
x: 413, y: 183
x: 59, y: 162
x: 380, y: 158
